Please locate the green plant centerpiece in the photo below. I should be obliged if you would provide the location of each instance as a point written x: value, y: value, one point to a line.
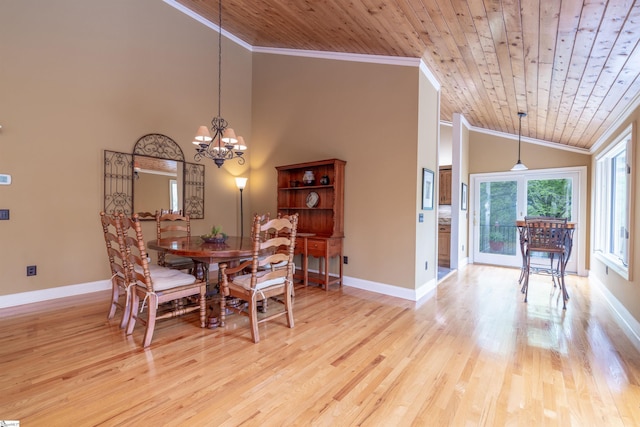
x: 215, y: 236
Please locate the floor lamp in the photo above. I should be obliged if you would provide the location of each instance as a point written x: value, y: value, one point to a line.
x: 241, y: 183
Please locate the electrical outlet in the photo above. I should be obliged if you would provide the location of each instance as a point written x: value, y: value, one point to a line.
x: 4, y: 214
x: 32, y: 270
x: 345, y: 259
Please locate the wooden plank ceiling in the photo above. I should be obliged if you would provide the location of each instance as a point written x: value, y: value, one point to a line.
x: 572, y: 65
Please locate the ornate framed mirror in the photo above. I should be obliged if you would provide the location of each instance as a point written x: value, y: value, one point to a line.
x: 155, y: 176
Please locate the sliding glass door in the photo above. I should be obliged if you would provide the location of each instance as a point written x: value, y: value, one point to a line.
x: 501, y: 199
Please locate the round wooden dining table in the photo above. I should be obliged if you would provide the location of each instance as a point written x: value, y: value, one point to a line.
x: 204, y: 254
x: 233, y: 249
x: 196, y: 248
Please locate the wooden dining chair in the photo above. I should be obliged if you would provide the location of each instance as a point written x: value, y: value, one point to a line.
x: 262, y: 283
x: 116, y: 254
x: 147, y: 216
x: 169, y: 224
x: 549, y: 236
x: 156, y: 285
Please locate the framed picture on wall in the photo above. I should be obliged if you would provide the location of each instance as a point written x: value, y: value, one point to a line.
x: 427, y: 189
x: 463, y: 194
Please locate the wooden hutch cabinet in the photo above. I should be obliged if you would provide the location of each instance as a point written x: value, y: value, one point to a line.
x: 444, y: 245
x: 320, y: 207
x: 445, y: 185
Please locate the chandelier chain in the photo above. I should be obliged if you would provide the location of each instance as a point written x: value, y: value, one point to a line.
x: 222, y: 144
x: 219, y: 58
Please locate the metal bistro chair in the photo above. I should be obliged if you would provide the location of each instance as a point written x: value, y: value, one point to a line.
x: 522, y: 231
x: 547, y: 235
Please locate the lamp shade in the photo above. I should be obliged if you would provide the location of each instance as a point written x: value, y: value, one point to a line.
x: 229, y: 136
x: 240, y: 146
x: 519, y: 167
x: 241, y: 182
x: 202, y: 135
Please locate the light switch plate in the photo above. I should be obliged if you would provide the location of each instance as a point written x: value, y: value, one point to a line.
x: 5, y: 179
x: 4, y: 214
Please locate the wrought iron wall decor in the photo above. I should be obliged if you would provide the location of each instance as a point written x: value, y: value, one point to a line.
x: 194, y: 190
x: 118, y: 183
x: 119, y: 175
x: 158, y: 146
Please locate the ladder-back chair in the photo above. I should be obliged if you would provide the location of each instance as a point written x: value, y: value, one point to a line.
x: 271, y: 272
x: 156, y: 285
x: 169, y: 224
x: 116, y: 254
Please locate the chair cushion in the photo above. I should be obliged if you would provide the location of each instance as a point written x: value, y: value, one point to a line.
x: 155, y: 270
x: 165, y: 281
x: 166, y: 278
x: 245, y: 281
x: 177, y: 260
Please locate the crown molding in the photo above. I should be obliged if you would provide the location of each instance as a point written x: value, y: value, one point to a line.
x: 429, y: 75
x: 336, y: 56
x: 625, y: 115
x: 206, y: 22
x: 524, y: 138
x: 341, y: 56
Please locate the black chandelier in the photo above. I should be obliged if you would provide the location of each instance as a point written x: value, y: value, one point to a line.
x: 221, y: 143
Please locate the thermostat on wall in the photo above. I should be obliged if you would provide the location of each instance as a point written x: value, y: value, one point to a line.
x: 5, y: 179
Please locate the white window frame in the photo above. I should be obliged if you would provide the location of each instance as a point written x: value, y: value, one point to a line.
x: 173, y: 195
x: 604, y: 204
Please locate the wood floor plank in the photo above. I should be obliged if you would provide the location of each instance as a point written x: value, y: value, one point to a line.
x: 471, y: 354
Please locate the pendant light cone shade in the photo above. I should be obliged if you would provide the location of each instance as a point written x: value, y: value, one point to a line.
x: 519, y: 166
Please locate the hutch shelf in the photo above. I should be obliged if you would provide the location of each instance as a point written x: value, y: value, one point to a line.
x: 320, y: 208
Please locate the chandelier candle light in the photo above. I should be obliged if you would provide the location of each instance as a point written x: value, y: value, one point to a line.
x: 224, y: 144
x: 519, y: 166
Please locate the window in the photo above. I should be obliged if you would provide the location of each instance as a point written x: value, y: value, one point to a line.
x: 613, y: 201
x: 173, y: 195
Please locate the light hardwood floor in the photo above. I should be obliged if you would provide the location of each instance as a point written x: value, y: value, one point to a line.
x: 473, y: 354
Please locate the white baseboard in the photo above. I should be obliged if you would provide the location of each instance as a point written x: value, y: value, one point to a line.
x: 103, y: 285
x: 394, y: 291
x: 60, y: 292
x: 53, y: 293
x: 629, y: 325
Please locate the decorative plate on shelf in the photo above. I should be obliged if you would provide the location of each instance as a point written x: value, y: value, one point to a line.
x: 312, y: 199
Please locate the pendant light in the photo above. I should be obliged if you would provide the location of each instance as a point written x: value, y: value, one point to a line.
x: 519, y: 166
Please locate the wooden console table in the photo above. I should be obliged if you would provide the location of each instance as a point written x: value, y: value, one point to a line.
x: 308, y: 244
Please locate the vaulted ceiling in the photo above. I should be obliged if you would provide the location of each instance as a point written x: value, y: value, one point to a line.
x: 572, y: 65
